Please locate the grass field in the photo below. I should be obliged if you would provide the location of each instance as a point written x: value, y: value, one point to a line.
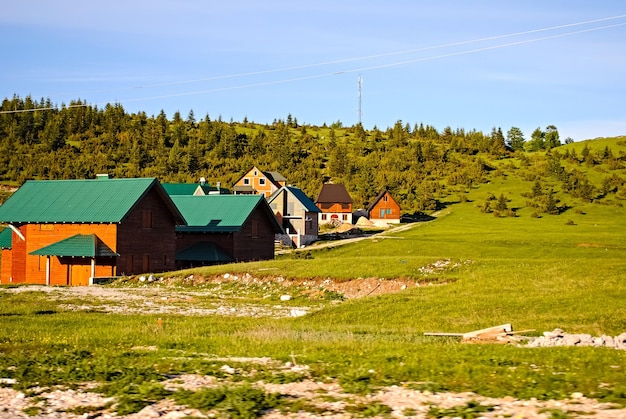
x: 554, y: 271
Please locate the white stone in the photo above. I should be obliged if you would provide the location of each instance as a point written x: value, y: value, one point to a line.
x: 285, y: 297
x: 577, y: 395
x: 227, y: 369
x: 149, y: 412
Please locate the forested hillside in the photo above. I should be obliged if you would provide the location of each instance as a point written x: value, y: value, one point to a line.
x: 419, y: 164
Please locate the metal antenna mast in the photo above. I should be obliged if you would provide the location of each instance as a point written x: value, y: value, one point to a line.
x: 358, y: 109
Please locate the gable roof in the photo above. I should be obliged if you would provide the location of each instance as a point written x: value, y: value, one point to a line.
x: 79, y: 245
x: 192, y: 188
x: 273, y: 177
x: 6, y: 238
x: 378, y: 198
x: 220, y: 213
x: 100, y: 200
x: 180, y: 188
x: 334, y: 193
x: 299, y: 194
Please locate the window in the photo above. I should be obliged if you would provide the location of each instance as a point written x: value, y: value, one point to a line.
x: 388, y: 210
x: 255, y: 229
x: 323, y: 216
x: 385, y: 198
x: 130, y: 262
x: 344, y: 217
x: 262, y: 181
x: 146, y: 263
x: 246, y: 181
x: 146, y: 219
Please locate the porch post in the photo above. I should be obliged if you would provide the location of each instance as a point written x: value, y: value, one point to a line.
x: 48, y: 270
x: 93, y: 270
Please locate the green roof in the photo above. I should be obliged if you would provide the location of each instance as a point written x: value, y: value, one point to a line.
x: 204, y: 252
x: 78, y: 201
x: 218, y: 213
x: 180, y: 188
x: 80, y: 245
x: 6, y: 238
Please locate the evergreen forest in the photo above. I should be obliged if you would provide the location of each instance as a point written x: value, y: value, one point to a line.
x: 418, y: 163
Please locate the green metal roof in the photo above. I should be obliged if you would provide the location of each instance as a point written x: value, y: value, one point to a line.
x: 6, y: 238
x: 219, y: 213
x: 78, y: 201
x: 204, y: 252
x: 80, y: 245
x: 180, y: 188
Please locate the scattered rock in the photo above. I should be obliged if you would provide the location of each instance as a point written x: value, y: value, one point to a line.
x: 227, y: 369
x: 558, y: 337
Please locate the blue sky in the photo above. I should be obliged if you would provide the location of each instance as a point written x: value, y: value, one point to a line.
x: 465, y: 64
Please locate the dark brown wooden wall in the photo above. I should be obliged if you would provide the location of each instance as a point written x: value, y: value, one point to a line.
x: 146, y: 250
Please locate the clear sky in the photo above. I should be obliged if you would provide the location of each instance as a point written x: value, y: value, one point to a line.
x: 465, y: 64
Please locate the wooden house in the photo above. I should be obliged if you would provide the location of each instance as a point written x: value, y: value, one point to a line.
x: 335, y: 204
x: 224, y: 228
x: 255, y: 181
x: 384, y: 209
x: 69, y: 232
x: 298, y: 215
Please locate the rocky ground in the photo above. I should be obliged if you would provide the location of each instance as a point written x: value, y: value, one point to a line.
x: 327, y: 398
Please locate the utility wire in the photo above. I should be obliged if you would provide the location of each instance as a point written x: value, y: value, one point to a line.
x: 361, y: 69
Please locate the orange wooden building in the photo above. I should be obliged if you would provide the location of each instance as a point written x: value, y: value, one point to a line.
x: 335, y: 204
x: 69, y: 232
x: 384, y: 209
x: 255, y: 181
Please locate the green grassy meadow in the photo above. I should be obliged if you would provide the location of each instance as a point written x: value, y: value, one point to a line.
x: 563, y: 271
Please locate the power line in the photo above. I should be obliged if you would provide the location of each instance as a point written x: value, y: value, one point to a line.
x: 361, y: 69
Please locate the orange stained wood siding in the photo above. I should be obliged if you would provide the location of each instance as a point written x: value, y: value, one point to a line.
x: 389, y: 207
x: 6, y: 266
x: 338, y: 208
x: 255, y: 181
x: 33, y: 268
